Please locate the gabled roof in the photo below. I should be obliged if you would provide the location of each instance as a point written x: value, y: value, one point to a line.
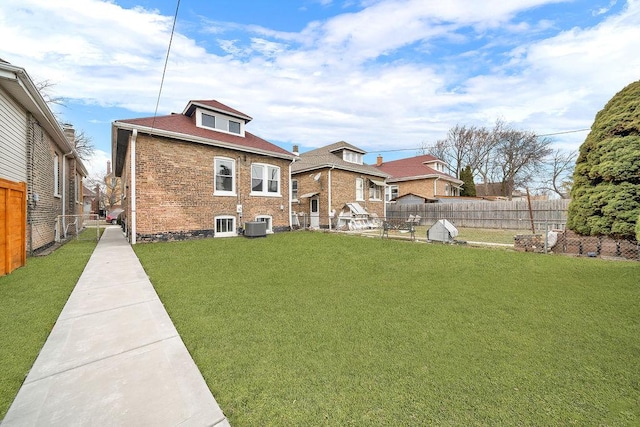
x: 330, y: 156
x: 183, y: 127
x: 413, y: 168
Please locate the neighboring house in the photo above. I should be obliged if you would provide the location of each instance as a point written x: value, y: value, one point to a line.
x: 37, y: 153
x: 89, y: 200
x: 423, y: 176
x: 112, y: 191
x: 198, y: 174
x: 332, y: 187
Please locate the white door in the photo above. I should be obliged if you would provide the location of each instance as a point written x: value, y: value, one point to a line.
x: 314, y: 217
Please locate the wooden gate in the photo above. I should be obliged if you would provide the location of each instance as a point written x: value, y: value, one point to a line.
x: 13, y: 225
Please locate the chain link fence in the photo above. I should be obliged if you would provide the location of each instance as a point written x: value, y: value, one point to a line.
x: 71, y: 227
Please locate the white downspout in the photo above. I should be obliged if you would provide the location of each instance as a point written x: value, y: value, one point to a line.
x: 63, y: 232
x: 435, y: 186
x: 329, y: 195
x: 134, y: 135
x: 290, y: 196
x: 64, y: 183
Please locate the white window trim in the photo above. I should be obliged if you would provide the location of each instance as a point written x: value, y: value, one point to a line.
x: 360, y: 188
x: 231, y: 233
x: 380, y: 192
x: 388, y: 193
x: 269, y: 222
x: 294, y: 199
x: 265, y: 183
x: 217, y: 192
x: 219, y: 119
x: 77, y: 185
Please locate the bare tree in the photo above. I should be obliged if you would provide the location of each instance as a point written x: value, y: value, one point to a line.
x: 558, y: 177
x: 84, y: 145
x: 45, y: 88
x: 517, y: 157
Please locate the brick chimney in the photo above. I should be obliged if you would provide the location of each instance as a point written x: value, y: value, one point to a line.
x: 379, y: 160
x: 295, y: 150
x: 69, y: 133
x: 108, y: 167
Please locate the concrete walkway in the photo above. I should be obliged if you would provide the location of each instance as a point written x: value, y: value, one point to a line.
x: 114, y: 358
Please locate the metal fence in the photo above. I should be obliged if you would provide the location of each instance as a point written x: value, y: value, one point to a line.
x: 71, y: 226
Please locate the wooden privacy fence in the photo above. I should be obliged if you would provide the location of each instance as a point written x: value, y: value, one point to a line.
x: 513, y: 215
x: 13, y: 223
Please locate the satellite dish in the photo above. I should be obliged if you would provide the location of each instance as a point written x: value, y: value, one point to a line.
x: 317, y: 177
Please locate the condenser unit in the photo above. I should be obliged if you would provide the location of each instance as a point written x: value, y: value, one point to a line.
x: 255, y: 229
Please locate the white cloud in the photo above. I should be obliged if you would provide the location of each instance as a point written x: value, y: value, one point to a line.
x: 338, y: 79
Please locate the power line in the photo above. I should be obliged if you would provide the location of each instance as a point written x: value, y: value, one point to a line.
x: 166, y: 61
x: 566, y: 131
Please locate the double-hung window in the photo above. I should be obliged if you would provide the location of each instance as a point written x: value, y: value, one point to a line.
x: 265, y: 180
x: 224, y: 177
x: 375, y: 191
x: 359, y: 189
x: 294, y: 189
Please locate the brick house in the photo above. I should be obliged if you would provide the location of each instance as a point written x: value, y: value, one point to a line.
x: 423, y: 176
x: 38, y: 154
x: 198, y: 174
x: 331, y: 186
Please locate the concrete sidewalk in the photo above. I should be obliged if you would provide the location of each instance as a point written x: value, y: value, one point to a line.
x: 114, y: 358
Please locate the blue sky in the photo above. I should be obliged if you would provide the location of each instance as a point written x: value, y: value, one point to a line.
x: 388, y: 76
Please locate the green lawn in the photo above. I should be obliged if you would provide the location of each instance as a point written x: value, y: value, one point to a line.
x: 323, y: 329
x: 31, y: 299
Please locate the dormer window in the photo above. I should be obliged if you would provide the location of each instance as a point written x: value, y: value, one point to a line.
x: 439, y: 166
x: 219, y: 122
x: 234, y: 127
x: 208, y: 121
x: 352, y: 157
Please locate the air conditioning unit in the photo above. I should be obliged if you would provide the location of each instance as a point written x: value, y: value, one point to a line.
x: 255, y: 229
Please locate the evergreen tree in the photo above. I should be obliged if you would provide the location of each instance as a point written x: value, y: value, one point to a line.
x: 606, y: 190
x: 469, y: 187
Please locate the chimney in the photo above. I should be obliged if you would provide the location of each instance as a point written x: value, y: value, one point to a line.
x: 69, y: 133
x: 295, y: 150
x: 108, y: 167
x: 379, y: 160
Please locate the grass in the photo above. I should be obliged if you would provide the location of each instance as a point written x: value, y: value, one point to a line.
x: 324, y: 329
x: 31, y: 299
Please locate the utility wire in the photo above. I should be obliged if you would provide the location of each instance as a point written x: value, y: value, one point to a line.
x: 166, y: 61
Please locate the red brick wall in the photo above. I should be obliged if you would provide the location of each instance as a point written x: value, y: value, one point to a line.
x: 175, y: 188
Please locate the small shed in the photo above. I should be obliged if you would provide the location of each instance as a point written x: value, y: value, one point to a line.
x: 442, y: 231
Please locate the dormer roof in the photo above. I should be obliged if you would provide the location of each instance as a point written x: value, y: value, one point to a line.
x: 213, y: 105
